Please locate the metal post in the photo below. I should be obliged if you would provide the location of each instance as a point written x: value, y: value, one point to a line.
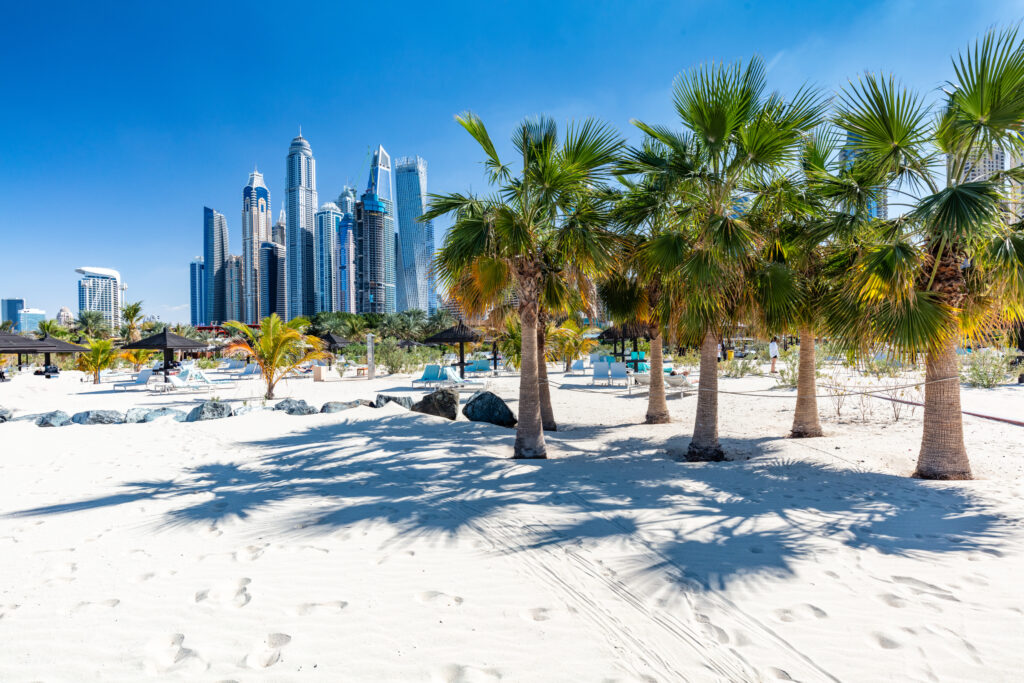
x: 168, y: 357
x: 462, y: 360
x: 371, y: 369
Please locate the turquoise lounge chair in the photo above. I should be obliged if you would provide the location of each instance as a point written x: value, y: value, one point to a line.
x: 431, y: 375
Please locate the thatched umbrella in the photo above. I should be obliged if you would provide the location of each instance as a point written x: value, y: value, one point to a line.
x: 408, y: 344
x: 168, y: 342
x: 333, y: 342
x: 459, y: 334
x: 15, y: 343
x: 631, y: 330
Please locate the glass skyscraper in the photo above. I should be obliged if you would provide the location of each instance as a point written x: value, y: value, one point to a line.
x: 277, y: 233
x: 30, y: 319
x: 347, y: 262
x: 273, y: 269
x: 234, y: 288
x: 325, y: 258
x: 878, y: 206
x: 100, y: 290
x: 255, y: 231
x: 10, y: 311
x: 375, y: 240
x: 347, y: 200
x: 415, y: 284
x: 215, y: 256
x: 197, y: 291
x: 301, y: 206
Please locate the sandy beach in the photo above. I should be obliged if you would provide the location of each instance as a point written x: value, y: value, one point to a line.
x: 383, y: 545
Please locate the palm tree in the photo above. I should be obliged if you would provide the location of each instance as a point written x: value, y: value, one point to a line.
x: 7, y: 326
x: 441, y: 319
x: 568, y: 342
x: 52, y: 328
x: 543, y: 210
x: 415, y: 322
x: 91, y: 324
x: 138, y: 357
x: 952, y: 265
x: 394, y: 325
x: 733, y: 131
x: 131, y: 317
x: 278, y: 347
x: 184, y: 330
x: 101, y: 355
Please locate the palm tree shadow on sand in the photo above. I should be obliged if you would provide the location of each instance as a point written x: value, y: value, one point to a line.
x: 706, y: 523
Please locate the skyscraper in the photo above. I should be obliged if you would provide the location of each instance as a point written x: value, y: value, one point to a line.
x: 10, y: 310
x: 234, y: 288
x: 347, y: 200
x: 325, y: 258
x: 197, y: 291
x: 300, y: 204
x: 878, y: 207
x: 30, y: 319
x: 347, y: 262
x: 273, y: 269
x: 278, y: 231
x: 255, y: 231
x: 100, y: 290
x: 215, y: 256
x: 375, y: 240
x: 416, y: 240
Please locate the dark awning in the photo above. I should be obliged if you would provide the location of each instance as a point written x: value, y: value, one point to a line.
x: 333, y: 342
x: 631, y: 330
x: 15, y: 343
x: 454, y: 335
x: 167, y: 341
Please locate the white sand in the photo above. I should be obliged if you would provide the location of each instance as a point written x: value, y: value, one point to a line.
x: 378, y: 545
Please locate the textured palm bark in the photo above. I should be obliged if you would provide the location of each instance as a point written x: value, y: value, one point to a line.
x: 529, y: 433
x: 943, y: 455
x: 704, y: 446
x: 805, y: 419
x: 547, y: 414
x: 657, y: 408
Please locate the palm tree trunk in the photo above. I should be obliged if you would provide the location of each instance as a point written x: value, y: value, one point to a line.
x: 547, y: 414
x: 529, y: 431
x: 96, y: 377
x: 704, y: 446
x: 943, y: 455
x: 657, y: 408
x: 805, y: 419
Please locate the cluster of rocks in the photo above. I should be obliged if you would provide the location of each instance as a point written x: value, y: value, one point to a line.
x: 483, y: 406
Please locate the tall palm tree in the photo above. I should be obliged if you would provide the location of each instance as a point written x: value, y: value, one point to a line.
x: 953, y: 264
x: 51, y: 328
x: 278, y: 347
x: 131, y: 320
x: 91, y: 324
x: 100, y: 356
x: 540, y: 208
x: 732, y: 130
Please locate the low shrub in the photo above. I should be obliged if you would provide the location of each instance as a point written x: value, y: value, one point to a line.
x: 986, y: 368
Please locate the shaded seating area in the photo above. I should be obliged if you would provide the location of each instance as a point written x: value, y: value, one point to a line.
x: 457, y: 334
x: 169, y: 343
x: 19, y: 345
x: 620, y: 334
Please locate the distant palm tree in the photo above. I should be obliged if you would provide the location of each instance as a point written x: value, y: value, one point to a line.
x: 91, y: 324
x: 138, y: 357
x: 184, y: 330
x: 278, y: 347
x: 101, y: 355
x: 439, y: 320
x: 52, y: 328
x: 416, y: 322
x: 7, y: 326
x: 131, y: 320
x: 351, y: 327
x: 568, y: 343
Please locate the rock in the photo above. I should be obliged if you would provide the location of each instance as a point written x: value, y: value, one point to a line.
x: 210, y: 410
x: 5, y: 414
x: 295, y: 407
x: 248, y: 408
x: 366, y: 403
x: 135, y: 415
x: 152, y: 415
x: 98, y: 417
x: 484, y: 406
x: 443, y: 403
x: 338, y: 406
x: 57, y: 418
x: 404, y: 401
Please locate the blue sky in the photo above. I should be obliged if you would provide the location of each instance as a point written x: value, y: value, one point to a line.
x: 118, y: 124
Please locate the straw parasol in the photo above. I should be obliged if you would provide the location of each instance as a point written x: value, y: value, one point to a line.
x: 408, y: 344
x: 168, y: 342
x: 458, y: 334
x: 631, y: 330
x: 15, y: 343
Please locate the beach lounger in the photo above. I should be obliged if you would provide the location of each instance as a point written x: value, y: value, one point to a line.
x: 617, y: 373
x: 577, y: 366
x: 453, y: 380
x: 250, y: 370
x: 141, y: 380
x: 600, y: 372
x: 431, y: 376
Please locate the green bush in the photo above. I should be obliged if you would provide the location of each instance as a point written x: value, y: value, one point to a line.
x: 738, y: 367
x: 788, y: 367
x: 986, y: 368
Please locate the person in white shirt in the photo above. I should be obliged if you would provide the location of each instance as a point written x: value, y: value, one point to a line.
x: 773, y: 351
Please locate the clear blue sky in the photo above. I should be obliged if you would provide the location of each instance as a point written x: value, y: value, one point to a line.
x: 117, y: 125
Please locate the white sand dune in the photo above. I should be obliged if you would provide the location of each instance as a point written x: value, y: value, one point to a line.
x: 380, y: 544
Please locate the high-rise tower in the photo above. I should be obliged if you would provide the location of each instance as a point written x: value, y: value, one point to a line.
x: 215, y: 256
x: 273, y: 265
x: 325, y: 258
x: 197, y: 291
x: 347, y: 200
x: 347, y: 262
x: 416, y: 240
x: 233, y: 288
x: 375, y: 240
x: 300, y: 205
x: 277, y: 233
x: 100, y: 290
x: 255, y: 231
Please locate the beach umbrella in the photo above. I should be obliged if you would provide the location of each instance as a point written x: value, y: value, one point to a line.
x: 168, y: 342
x: 333, y: 342
x: 632, y: 330
x: 16, y: 343
x: 458, y: 334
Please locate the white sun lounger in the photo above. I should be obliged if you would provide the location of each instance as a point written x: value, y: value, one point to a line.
x: 140, y: 380
x: 617, y: 373
x: 600, y: 372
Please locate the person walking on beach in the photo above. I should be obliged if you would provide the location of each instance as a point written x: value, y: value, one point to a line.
x: 773, y: 351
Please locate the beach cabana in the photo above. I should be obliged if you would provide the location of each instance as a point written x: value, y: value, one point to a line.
x: 334, y: 343
x: 18, y: 344
x: 459, y: 334
x: 621, y: 333
x: 168, y: 342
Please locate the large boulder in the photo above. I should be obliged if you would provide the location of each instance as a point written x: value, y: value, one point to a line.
x: 294, y: 406
x: 338, y: 406
x: 443, y: 403
x: 210, y: 410
x: 158, y: 413
x: 57, y: 418
x: 404, y: 401
x: 484, y: 406
x: 98, y: 417
x: 135, y: 415
x: 5, y: 414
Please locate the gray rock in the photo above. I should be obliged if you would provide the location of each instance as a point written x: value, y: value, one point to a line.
x: 210, y: 410
x: 5, y: 414
x: 57, y: 418
x: 443, y: 403
x: 295, y: 407
x: 338, y: 406
x: 135, y: 415
x: 248, y: 408
x: 404, y: 401
x: 178, y: 415
x: 484, y: 406
x: 98, y: 417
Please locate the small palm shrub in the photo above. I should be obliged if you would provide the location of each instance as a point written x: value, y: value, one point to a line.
x: 738, y: 367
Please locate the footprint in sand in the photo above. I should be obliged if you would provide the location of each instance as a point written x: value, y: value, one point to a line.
x: 458, y: 673
x: 779, y: 674
x: 800, y: 613
x: 7, y: 609
x: 267, y: 652
x: 230, y: 593
x: 250, y: 553
x: 536, y: 614
x: 92, y: 606
x: 885, y: 642
x: 892, y: 600
x: 438, y: 598
x: 167, y: 653
x: 308, y: 608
